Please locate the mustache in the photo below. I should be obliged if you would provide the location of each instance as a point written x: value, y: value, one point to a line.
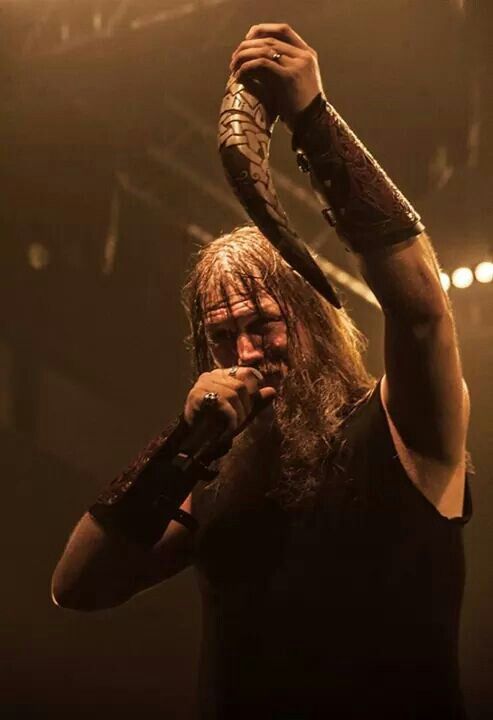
x: 269, y: 366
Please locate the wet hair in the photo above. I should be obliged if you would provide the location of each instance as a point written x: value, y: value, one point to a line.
x: 326, y: 377
x: 244, y: 262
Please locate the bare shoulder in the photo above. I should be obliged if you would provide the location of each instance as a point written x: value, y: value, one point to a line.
x: 441, y: 483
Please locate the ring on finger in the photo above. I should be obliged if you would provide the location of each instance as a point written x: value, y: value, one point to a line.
x: 233, y: 370
x: 276, y: 56
x: 209, y: 400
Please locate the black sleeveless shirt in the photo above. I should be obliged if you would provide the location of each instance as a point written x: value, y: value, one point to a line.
x: 347, y: 610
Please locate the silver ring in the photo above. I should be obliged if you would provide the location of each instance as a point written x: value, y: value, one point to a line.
x: 276, y: 56
x: 233, y: 370
x: 210, y: 399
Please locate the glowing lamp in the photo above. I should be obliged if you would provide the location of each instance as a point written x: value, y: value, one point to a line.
x: 445, y: 280
x: 484, y: 272
x: 462, y: 277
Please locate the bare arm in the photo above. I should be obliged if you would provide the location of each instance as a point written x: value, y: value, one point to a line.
x: 423, y: 391
x: 100, y: 570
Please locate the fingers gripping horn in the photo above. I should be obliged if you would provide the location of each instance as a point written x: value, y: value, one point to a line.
x: 247, y: 118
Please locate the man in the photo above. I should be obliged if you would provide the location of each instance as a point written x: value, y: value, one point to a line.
x: 328, y: 546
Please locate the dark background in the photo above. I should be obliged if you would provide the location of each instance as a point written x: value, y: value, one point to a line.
x: 109, y: 179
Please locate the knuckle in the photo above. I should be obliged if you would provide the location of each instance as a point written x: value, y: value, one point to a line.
x: 230, y: 395
x: 245, y: 372
x: 239, y: 386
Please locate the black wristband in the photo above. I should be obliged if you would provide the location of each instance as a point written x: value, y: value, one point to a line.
x: 303, y: 120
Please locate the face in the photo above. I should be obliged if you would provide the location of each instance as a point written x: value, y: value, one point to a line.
x: 240, y: 335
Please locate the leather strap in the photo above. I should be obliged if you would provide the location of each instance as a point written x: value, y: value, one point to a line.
x: 140, y: 502
x: 366, y: 208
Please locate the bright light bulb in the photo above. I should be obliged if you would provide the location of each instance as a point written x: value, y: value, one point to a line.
x: 462, y: 277
x: 445, y: 280
x: 484, y: 272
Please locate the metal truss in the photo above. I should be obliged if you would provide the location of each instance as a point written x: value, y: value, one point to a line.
x: 61, y: 26
x: 56, y: 27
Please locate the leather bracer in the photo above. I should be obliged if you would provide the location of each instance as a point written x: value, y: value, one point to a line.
x: 367, y: 210
x: 140, y: 503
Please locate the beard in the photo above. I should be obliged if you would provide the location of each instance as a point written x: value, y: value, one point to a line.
x: 284, y: 451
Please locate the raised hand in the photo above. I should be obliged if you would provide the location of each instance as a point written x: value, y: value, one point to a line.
x: 292, y: 65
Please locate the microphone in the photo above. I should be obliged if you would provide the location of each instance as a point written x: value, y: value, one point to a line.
x: 206, y: 439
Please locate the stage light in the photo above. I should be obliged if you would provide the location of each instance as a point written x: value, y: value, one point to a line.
x: 445, y: 280
x: 38, y: 256
x: 462, y: 277
x: 484, y: 272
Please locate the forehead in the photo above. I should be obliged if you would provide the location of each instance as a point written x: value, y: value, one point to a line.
x: 237, y: 305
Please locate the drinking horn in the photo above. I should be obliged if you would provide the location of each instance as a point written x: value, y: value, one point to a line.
x: 246, y: 120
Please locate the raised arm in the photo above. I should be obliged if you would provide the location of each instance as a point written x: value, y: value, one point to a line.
x: 422, y: 391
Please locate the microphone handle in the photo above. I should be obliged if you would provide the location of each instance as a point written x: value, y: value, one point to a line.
x: 204, y: 437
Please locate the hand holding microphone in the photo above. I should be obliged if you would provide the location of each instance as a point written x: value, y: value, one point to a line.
x: 222, y: 402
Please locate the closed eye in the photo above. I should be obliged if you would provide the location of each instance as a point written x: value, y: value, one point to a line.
x: 259, y: 326
x: 216, y: 337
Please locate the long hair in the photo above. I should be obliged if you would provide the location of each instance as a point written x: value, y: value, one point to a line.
x: 329, y: 378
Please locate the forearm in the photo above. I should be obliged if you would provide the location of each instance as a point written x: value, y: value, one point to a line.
x: 422, y: 361
x: 405, y: 279
x: 97, y: 570
x: 129, y: 540
x: 100, y: 570
x: 424, y: 390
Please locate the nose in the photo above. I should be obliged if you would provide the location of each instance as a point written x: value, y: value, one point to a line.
x: 248, y: 351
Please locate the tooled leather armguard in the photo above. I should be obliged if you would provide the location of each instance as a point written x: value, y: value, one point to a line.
x: 365, y: 207
x: 140, y: 502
